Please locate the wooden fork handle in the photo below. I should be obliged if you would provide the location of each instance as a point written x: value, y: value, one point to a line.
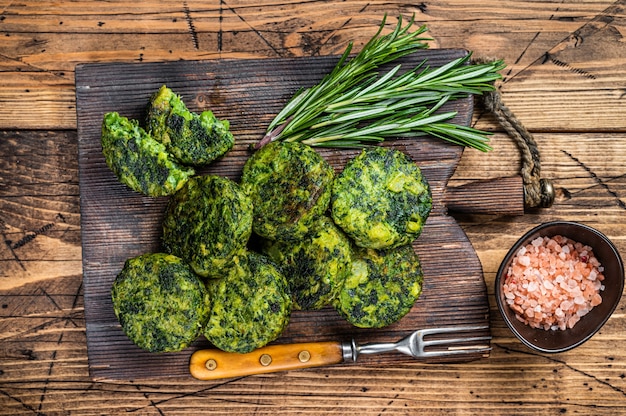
x: 211, y: 364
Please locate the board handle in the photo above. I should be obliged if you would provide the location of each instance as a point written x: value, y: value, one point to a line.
x: 500, y: 196
x: 211, y: 364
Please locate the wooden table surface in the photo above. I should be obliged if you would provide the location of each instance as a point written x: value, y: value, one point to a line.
x: 565, y: 80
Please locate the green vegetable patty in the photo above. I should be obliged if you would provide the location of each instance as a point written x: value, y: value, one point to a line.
x: 290, y: 185
x: 316, y: 266
x: 381, y: 287
x: 207, y: 222
x: 194, y: 139
x: 251, y: 305
x: 138, y: 160
x: 381, y: 199
x: 160, y: 303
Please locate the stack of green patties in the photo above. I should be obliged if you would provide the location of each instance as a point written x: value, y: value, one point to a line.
x: 208, y: 224
x: 320, y: 239
x: 205, y: 281
x: 343, y: 241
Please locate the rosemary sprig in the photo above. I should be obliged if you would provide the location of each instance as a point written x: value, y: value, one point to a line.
x: 355, y: 105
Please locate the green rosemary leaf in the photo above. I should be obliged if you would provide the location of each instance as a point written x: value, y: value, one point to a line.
x: 459, y: 135
x: 354, y: 105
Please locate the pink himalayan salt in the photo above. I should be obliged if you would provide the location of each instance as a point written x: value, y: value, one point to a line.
x: 553, y: 282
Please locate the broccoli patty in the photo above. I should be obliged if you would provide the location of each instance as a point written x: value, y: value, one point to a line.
x: 290, y: 185
x: 316, y: 266
x: 381, y: 199
x: 193, y: 139
x: 138, y: 160
x: 160, y: 303
x: 251, y: 305
x: 381, y: 287
x: 207, y: 222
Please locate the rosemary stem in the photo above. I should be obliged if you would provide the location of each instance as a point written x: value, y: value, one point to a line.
x: 354, y: 104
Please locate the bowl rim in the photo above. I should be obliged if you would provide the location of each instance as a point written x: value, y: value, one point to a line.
x: 513, y: 250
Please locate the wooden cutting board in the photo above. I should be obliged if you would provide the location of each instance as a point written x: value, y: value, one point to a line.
x: 117, y: 223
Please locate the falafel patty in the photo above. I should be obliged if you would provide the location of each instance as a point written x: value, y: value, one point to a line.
x: 316, y: 266
x: 194, y: 139
x: 290, y: 185
x: 206, y: 223
x: 251, y: 305
x: 381, y: 199
x: 160, y: 303
x: 381, y: 287
x: 138, y: 160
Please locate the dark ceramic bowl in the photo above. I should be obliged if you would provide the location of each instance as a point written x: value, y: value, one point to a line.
x: 552, y: 341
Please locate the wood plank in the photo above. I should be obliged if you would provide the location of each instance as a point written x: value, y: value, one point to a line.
x: 117, y: 224
x: 39, y: 212
x: 44, y: 366
x: 568, y: 50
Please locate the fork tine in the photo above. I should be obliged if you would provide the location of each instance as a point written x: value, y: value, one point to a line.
x: 452, y: 350
x: 454, y: 340
x: 447, y: 329
x: 466, y: 350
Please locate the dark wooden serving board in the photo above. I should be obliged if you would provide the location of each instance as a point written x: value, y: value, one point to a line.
x: 118, y: 223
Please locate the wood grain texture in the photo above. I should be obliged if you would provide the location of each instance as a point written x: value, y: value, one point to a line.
x: 545, y: 44
x: 212, y: 364
x: 565, y: 80
x: 44, y: 364
x: 39, y: 216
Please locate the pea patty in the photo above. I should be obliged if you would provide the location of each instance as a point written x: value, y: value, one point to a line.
x: 160, y: 303
x: 381, y: 287
x: 194, y: 139
x: 251, y: 305
x: 316, y: 266
x: 290, y: 185
x: 207, y: 222
x: 138, y: 160
x: 381, y: 199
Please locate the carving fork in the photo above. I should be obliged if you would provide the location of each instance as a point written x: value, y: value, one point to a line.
x: 210, y: 364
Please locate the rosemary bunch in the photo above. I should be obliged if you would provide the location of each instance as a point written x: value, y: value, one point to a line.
x: 355, y: 105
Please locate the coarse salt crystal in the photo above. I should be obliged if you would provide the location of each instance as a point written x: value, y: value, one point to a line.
x: 550, y: 289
